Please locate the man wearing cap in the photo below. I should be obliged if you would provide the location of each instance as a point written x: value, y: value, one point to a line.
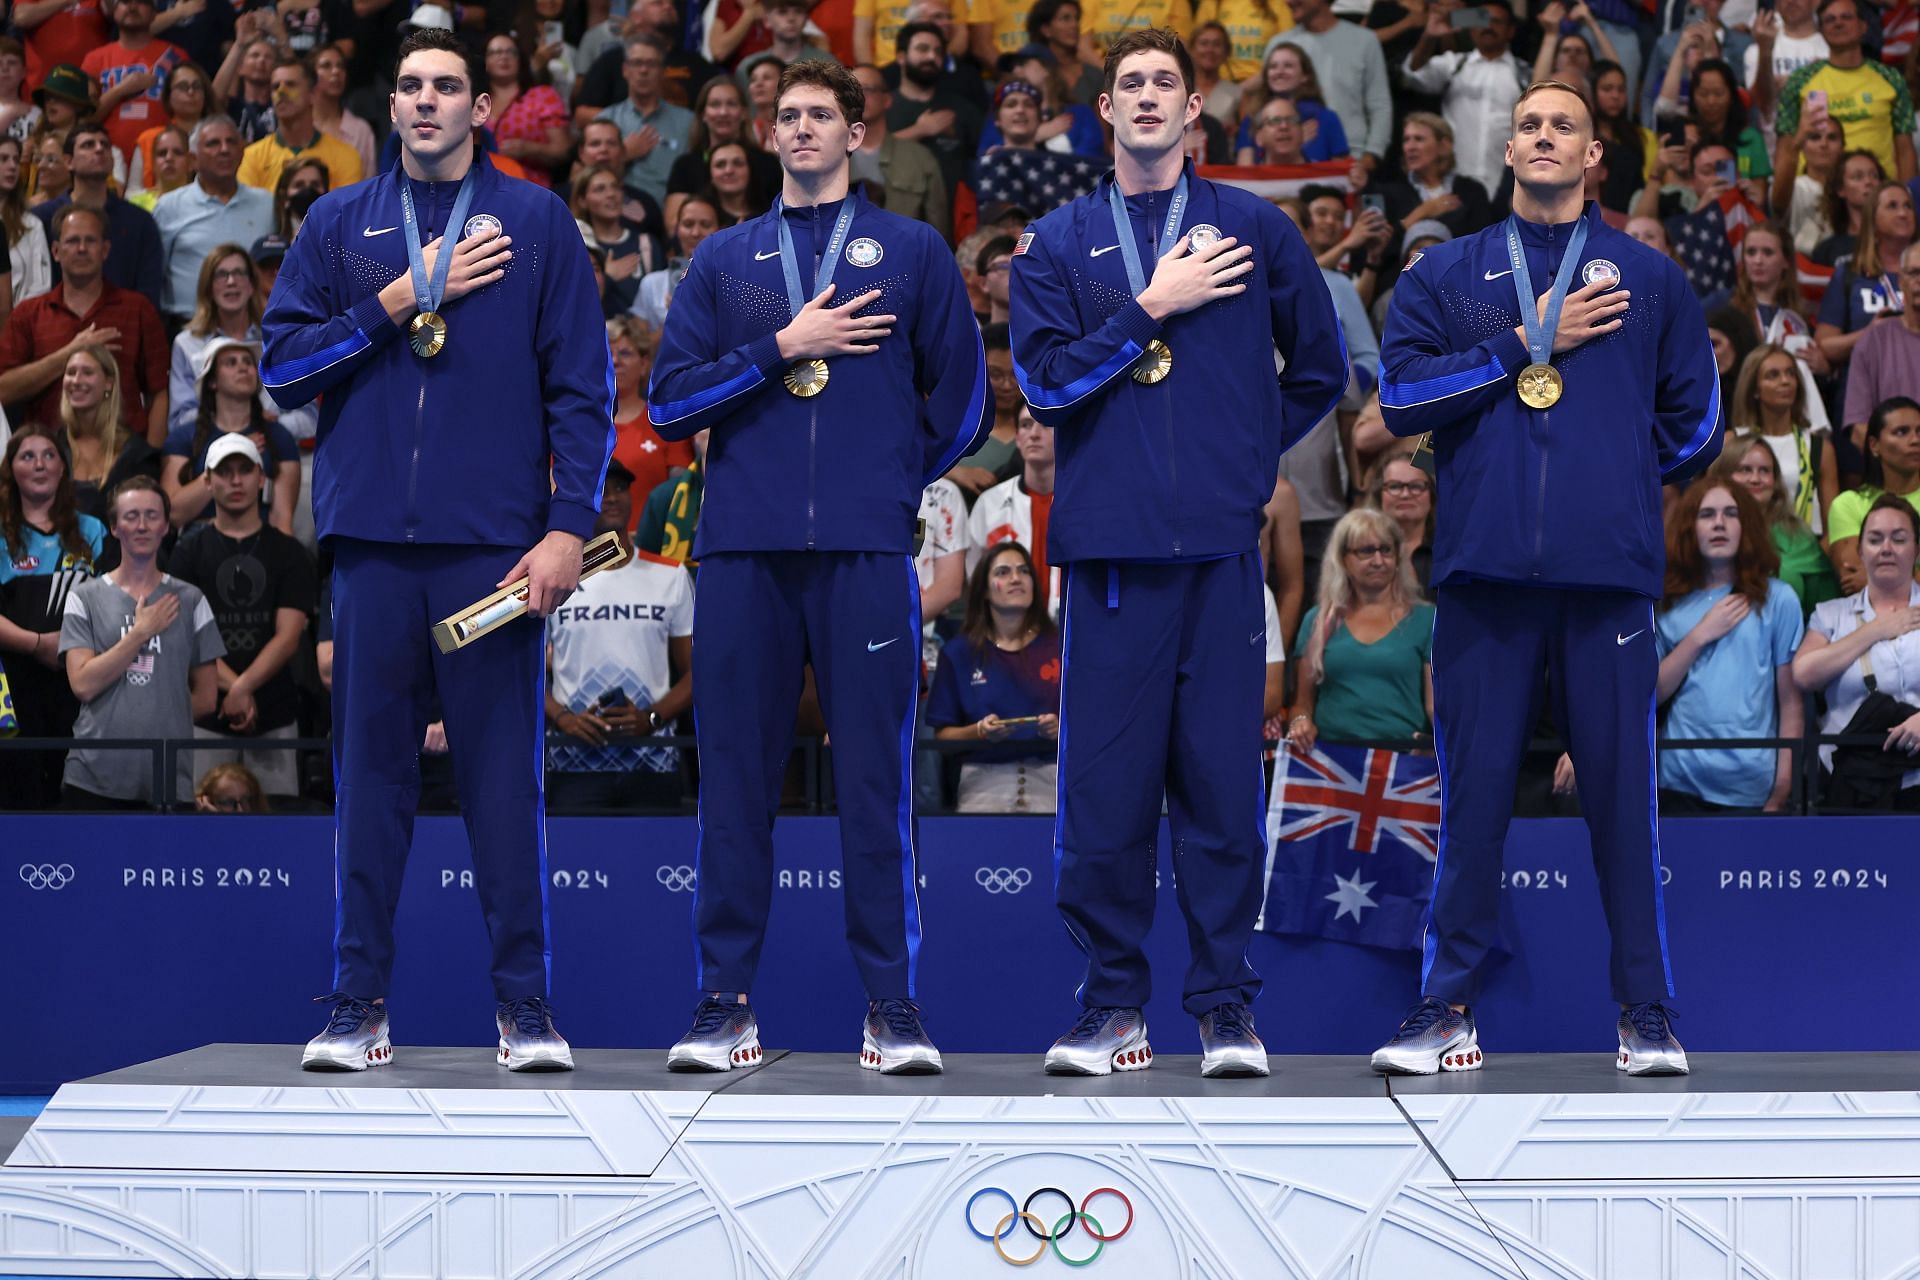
x: 260, y: 585
x: 447, y: 466
x: 212, y: 210
x: 1019, y: 170
x: 135, y: 260
x: 268, y: 252
x: 64, y: 96
x: 84, y: 309
x: 830, y: 348
x: 902, y: 168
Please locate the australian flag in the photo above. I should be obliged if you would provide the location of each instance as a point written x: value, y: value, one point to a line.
x: 1352, y: 836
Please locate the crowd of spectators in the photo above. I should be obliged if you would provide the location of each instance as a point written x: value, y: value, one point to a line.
x: 161, y: 577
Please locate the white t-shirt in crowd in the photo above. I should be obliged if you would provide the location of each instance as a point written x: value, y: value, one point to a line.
x: 1790, y: 53
x: 944, y: 513
x: 1276, y: 643
x: 612, y: 634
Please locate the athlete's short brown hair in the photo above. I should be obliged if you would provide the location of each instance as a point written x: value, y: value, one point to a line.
x: 832, y: 77
x: 1152, y: 40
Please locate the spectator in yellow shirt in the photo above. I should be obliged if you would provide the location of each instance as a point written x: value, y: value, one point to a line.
x: 1250, y: 24
x: 296, y: 136
x: 1868, y: 97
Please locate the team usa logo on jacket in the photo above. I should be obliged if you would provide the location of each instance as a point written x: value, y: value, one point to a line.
x: 478, y: 223
x: 1599, y: 269
x: 865, y: 252
x: 1203, y: 237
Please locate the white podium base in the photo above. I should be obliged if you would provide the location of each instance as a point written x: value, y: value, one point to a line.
x: 230, y: 1162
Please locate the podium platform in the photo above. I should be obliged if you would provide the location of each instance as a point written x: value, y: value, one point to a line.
x: 228, y: 1161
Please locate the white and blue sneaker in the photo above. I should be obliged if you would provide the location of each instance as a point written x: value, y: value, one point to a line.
x: 528, y: 1040
x: 724, y: 1036
x: 895, y: 1043
x: 1228, y: 1044
x: 355, y: 1038
x: 1647, y: 1046
x: 1106, y: 1039
x: 1433, y: 1037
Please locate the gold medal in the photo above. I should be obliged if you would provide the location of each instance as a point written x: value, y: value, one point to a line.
x: 1540, y: 386
x: 807, y: 378
x: 1155, y: 365
x: 427, y: 332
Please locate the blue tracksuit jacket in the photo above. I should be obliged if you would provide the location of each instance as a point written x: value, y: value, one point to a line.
x: 451, y: 449
x: 843, y: 470
x: 1567, y: 496
x: 1180, y: 469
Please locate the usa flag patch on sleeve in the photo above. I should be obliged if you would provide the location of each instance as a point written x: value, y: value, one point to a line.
x: 1020, y: 245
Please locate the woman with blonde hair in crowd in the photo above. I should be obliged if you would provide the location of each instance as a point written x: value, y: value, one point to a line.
x: 1289, y: 72
x: 101, y: 452
x: 1771, y: 401
x: 229, y: 788
x: 1726, y: 631
x: 226, y: 303
x: 52, y: 176
x: 1751, y: 463
x: 629, y: 251
x: 636, y: 445
x: 28, y: 255
x: 1366, y: 649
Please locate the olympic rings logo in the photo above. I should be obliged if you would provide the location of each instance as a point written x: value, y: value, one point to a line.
x: 1036, y: 1227
x: 46, y: 875
x: 679, y: 879
x: 1003, y: 879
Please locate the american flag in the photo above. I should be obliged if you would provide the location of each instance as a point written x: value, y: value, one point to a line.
x: 1272, y: 181
x: 1352, y: 837
x: 1707, y: 241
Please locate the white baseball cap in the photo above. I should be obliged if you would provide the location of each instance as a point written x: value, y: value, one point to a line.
x: 232, y: 444
x: 211, y: 352
x: 429, y: 15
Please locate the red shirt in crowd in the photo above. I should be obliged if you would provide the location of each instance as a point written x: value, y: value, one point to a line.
x: 638, y: 448
x: 68, y: 36
x: 41, y: 326
x: 110, y: 64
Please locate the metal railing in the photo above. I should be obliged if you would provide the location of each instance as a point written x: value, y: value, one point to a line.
x: 810, y: 776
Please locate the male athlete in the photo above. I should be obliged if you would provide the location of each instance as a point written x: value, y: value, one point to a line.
x: 1564, y: 372
x: 1146, y: 316
x: 830, y: 347
x: 449, y: 315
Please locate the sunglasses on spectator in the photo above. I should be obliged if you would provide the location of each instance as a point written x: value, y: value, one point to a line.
x: 1372, y: 551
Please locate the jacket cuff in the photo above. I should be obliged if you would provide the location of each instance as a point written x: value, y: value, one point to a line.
x: 371, y: 318
x: 1511, y: 352
x: 1135, y: 324
x: 567, y: 516
x: 765, y: 354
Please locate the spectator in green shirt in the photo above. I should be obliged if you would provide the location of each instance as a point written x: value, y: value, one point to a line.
x: 1366, y: 649
x: 1893, y: 466
x: 1803, y: 565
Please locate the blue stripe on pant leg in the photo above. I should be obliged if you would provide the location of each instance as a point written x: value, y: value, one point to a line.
x: 909, y: 854
x: 1429, y: 943
x: 1060, y: 771
x: 1653, y: 821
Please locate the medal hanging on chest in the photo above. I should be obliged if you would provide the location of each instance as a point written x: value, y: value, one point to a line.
x: 1157, y: 361
x: 808, y: 378
x: 1541, y: 385
x: 427, y: 331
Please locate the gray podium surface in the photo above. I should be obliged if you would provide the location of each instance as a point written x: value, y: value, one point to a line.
x: 1020, y: 1075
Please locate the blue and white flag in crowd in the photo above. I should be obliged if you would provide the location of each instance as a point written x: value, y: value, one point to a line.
x: 1352, y: 836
